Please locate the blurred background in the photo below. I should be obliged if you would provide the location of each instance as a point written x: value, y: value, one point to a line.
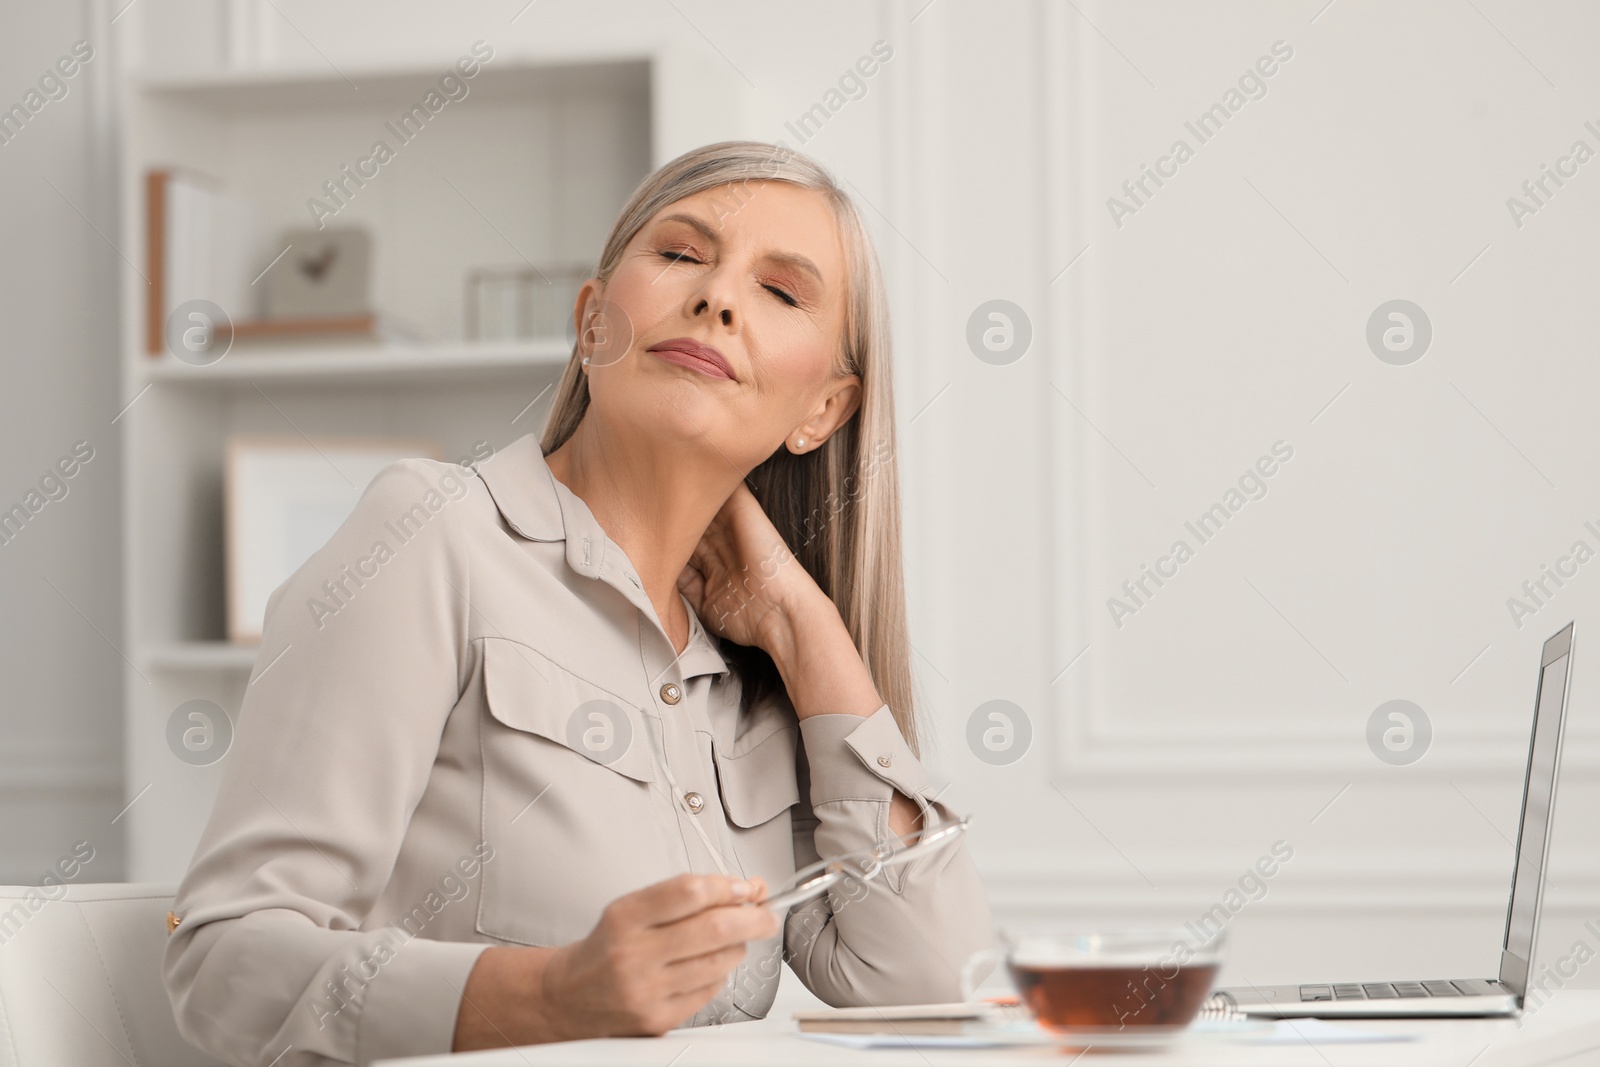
x: 1299, y: 286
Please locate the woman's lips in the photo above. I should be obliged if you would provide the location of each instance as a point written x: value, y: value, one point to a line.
x: 689, y: 354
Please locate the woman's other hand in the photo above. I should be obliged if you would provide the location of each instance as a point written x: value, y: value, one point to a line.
x: 657, y: 956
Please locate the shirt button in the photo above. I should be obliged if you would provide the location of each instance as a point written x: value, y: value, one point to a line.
x: 695, y: 801
x: 883, y: 761
x: 671, y: 693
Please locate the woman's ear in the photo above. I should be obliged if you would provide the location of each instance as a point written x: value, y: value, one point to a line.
x: 594, y: 319
x: 848, y: 396
x: 834, y: 411
x: 589, y: 291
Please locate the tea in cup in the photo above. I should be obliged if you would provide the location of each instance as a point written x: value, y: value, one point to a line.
x: 1092, y: 981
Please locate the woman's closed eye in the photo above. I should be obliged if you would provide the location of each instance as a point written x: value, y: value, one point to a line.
x: 684, y: 257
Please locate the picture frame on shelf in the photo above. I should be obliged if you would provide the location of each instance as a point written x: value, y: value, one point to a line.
x: 324, y: 274
x: 283, y: 498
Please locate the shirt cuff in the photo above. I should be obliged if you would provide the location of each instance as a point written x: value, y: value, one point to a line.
x: 856, y: 758
x: 412, y: 1003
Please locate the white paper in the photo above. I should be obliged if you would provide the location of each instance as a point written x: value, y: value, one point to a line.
x: 927, y: 1040
x: 1252, y: 1032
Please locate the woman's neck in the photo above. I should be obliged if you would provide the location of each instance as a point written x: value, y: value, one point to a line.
x: 654, y: 501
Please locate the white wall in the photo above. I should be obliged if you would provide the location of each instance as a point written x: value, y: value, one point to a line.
x: 1228, y: 312
x: 60, y: 577
x: 1222, y: 316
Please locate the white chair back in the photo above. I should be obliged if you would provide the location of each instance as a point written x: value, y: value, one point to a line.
x: 80, y: 978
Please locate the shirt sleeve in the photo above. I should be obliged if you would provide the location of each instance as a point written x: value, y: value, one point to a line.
x: 360, y: 666
x: 905, y: 936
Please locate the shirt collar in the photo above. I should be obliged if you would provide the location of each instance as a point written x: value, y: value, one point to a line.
x: 540, y: 507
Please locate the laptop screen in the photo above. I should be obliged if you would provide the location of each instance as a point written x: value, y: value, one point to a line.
x: 1538, y: 798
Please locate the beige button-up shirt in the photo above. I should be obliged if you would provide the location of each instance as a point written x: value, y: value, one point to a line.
x: 467, y: 727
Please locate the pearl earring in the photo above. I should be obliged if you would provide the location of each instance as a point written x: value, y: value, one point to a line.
x: 800, y: 442
x: 585, y: 361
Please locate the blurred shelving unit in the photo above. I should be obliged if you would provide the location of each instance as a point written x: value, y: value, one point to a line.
x: 530, y: 166
x: 369, y: 364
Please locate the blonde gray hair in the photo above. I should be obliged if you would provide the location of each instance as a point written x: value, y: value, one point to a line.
x: 837, y: 506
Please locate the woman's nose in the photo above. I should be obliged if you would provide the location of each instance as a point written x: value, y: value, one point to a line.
x: 715, y: 298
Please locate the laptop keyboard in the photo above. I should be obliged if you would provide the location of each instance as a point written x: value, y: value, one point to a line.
x: 1386, y: 990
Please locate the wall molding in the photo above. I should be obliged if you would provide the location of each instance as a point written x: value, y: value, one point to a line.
x: 1088, y: 743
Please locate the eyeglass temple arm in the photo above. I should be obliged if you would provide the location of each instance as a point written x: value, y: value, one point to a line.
x: 933, y: 839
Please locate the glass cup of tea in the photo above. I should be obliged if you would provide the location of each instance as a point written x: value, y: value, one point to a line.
x: 1108, y: 981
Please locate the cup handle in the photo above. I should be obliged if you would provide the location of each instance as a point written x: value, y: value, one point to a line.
x: 970, y: 976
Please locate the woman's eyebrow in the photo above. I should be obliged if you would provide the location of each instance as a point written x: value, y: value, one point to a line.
x: 793, y: 259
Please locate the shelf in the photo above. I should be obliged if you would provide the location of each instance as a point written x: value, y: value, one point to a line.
x: 535, y: 160
x: 365, y: 362
x: 200, y: 656
x: 506, y: 74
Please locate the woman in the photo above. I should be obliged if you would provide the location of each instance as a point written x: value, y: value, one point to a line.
x: 590, y: 680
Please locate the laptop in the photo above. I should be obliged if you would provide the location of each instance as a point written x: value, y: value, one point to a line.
x: 1461, y: 996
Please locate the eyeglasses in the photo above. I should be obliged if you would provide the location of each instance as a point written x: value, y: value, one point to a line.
x: 865, y: 864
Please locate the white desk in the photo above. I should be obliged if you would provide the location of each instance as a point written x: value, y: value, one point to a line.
x: 1565, y: 1030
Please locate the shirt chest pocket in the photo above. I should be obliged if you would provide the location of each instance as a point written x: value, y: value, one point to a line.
x: 568, y: 772
x: 756, y: 779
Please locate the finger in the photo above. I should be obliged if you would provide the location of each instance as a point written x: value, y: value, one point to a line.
x: 691, y: 1001
x: 705, y: 559
x: 688, y: 579
x: 714, y: 929
x: 695, y: 972
x: 669, y: 901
